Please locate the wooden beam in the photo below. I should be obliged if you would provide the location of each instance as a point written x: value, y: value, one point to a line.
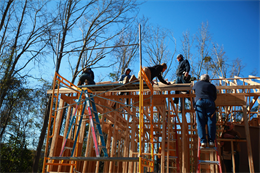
x: 248, y: 139
x: 56, y: 128
x: 87, y: 150
x: 184, y: 141
x: 163, y: 141
x: 247, y: 81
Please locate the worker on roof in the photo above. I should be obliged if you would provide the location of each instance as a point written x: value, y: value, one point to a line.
x: 126, y: 76
x: 155, y: 71
x: 206, y: 94
x: 87, y: 77
x: 182, y: 73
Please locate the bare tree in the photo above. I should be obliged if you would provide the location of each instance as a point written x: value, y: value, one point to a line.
x: 96, y: 18
x: 19, y: 41
x: 126, y: 49
x: 25, y: 29
x: 157, y: 47
x: 237, y: 67
x: 187, y: 43
x: 202, y: 38
x: 218, y: 61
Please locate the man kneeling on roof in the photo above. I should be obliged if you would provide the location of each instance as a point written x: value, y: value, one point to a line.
x: 155, y: 71
x: 86, y: 77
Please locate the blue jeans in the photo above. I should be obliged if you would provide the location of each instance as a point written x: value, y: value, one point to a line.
x: 180, y: 79
x: 204, y: 109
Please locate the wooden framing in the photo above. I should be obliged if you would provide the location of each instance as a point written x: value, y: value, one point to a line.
x: 237, y: 101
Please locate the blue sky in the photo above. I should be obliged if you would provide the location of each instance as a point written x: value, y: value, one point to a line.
x: 233, y: 24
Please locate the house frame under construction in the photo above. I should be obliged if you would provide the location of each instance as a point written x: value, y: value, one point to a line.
x: 134, y: 131
x: 138, y: 126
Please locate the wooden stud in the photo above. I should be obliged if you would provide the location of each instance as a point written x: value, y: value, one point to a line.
x: 248, y: 139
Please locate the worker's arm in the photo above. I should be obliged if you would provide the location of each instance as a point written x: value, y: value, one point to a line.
x: 162, y: 80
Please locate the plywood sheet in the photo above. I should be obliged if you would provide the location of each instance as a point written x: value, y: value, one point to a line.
x: 230, y: 100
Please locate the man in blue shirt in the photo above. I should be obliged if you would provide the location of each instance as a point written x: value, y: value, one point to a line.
x: 206, y: 94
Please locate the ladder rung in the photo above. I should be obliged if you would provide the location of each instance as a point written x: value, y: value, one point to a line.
x: 208, y: 162
x: 69, y: 148
x: 75, y: 124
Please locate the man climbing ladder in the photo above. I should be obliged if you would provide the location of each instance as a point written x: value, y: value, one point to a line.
x: 206, y: 94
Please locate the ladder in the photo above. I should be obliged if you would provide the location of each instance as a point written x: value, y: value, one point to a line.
x: 70, y: 125
x: 213, y: 160
x: 172, y: 141
x: 95, y: 121
x: 92, y: 120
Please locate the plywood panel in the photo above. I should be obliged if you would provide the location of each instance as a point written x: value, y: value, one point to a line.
x: 230, y: 100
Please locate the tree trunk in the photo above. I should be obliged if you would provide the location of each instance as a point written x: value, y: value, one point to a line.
x: 41, y: 138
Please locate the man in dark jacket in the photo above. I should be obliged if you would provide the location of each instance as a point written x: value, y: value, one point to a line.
x: 87, y: 77
x: 206, y: 94
x: 155, y: 71
x: 182, y: 72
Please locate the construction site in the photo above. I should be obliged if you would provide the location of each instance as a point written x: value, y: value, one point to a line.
x: 93, y: 128
x: 102, y: 133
